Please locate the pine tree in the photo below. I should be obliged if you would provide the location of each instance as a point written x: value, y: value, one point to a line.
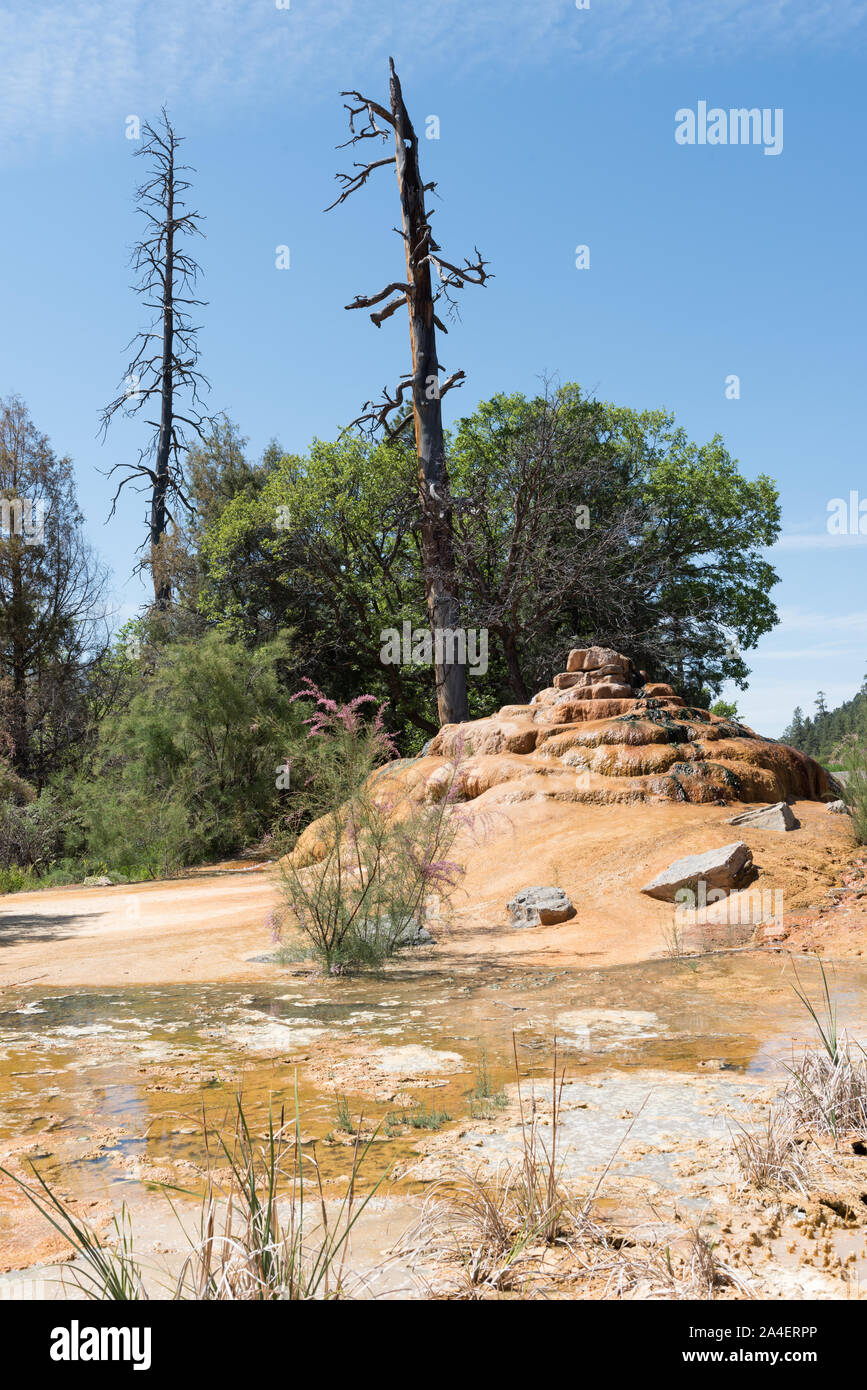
x: 51, y: 598
x: 163, y: 372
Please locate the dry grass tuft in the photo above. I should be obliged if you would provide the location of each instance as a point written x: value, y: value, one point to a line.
x: 488, y: 1229
x: 260, y: 1236
x: 257, y: 1239
x: 773, y: 1157
x: 826, y: 1091
x: 520, y: 1231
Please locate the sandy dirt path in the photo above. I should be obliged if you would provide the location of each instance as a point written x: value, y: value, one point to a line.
x: 199, y: 928
x: 206, y: 927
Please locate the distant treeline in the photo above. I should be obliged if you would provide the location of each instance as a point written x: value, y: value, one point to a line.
x: 825, y: 734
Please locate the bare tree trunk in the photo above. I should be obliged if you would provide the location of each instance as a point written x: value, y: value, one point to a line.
x: 436, y: 511
x: 517, y: 684
x: 162, y: 585
x: 168, y: 373
x: 420, y: 296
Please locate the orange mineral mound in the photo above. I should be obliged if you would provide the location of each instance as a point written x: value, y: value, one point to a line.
x: 601, y: 733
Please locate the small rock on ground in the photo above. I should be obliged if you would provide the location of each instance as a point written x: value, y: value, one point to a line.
x: 779, y: 816
x: 726, y: 867
x: 534, y: 907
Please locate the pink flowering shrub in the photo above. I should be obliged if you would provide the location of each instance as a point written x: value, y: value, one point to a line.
x: 383, y: 870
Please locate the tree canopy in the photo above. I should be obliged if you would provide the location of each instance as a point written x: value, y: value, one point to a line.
x: 574, y: 521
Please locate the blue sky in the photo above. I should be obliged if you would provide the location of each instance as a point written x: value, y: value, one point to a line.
x: 556, y: 129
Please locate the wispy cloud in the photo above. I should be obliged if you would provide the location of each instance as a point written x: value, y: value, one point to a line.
x: 817, y: 540
x: 808, y: 651
x: 768, y: 706
x: 804, y: 621
x: 78, y: 65
x: 821, y: 652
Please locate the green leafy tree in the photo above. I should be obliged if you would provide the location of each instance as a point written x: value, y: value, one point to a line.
x: 712, y: 601
x: 328, y: 546
x: 574, y: 521
x: 824, y: 736
x: 191, y: 769
x: 52, y: 601
x: 668, y: 561
x: 726, y: 709
x: 794, y: 733
x: 217, y: 472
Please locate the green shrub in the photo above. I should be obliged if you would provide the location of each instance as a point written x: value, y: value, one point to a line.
x: 14, y: 879
x: 31, y: 832
x: 380, y: 867
x: 12, y: 787
x: 852, y: 758
x: 486, y: 1097
x: 189, y: 771
x: 417, y: 1117
x: 726, y: 709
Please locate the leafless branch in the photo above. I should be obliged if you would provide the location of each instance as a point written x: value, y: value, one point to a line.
x: 470, y: 273
x: 352, y: 182
x: 456, y: 379
x: 375, y: 414
x: 373, y: 109
x: 365, y: 301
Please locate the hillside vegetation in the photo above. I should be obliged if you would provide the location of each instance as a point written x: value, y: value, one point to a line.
x: 826, y: 734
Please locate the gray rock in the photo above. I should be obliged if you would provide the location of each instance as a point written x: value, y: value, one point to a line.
x: 413, y: 933
x: 838, y: 807
x: 97, y: 881
x: 422, y: 938
x: 727, y: 867
x: 779, y: 816
x: 535, y: 907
